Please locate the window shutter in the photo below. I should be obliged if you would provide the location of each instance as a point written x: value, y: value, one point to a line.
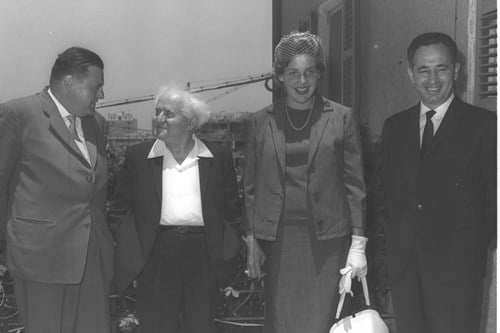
x: 486, y: 90
x: 338, y: 25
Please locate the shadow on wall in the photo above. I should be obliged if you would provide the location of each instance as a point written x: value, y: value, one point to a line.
x: 461, y: 83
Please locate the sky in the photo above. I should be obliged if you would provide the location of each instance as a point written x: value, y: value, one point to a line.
x: 144, y: 44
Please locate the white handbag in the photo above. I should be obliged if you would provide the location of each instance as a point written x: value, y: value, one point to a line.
x: 366, y: 321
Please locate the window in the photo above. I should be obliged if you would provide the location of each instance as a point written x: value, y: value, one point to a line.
x: 338, y: 28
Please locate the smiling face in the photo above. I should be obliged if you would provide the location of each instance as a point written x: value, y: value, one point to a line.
x: 433, y: 74
x: 300, y: 80
x: 84, y: 90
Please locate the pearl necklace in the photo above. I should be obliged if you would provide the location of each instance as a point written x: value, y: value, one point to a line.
x: 305, y: 123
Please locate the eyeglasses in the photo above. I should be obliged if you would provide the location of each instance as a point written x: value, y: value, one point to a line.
x: 308, y: 74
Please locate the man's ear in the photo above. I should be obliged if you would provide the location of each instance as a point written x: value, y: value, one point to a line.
x: 410, y: 75
x: 193, y: 123
x: 67, y: 82
x: 457, y: 70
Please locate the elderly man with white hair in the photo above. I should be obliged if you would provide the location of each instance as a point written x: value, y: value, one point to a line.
x: 169, y: 214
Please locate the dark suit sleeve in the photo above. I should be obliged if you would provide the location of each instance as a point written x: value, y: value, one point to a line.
x: 249, y: 171
x: 121, y: 199
x: 232, y: 201
x: 10, y: 147
x: 121, y: 218
x: 353, y: 172
x: 385, y: 141
x: 488, y: 168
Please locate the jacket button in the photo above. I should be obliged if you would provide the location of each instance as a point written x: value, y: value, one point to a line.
x: 87, y: 225
x: 90, y: 178
x: 420, y: 207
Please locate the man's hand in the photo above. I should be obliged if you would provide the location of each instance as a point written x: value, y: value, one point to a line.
x: 255, y: 257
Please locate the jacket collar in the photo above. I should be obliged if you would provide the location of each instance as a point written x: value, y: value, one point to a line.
x: 58, y: 127
x: 277, y: 124
x: 450, y: 121
x: 204, y: 165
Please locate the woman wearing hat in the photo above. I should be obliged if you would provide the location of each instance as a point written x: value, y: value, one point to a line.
x: 304, y: 194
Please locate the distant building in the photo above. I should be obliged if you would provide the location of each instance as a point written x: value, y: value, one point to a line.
x: 223, y: 127
x: 229, y: 128
x: 120, y: 123
x: 123, y: 131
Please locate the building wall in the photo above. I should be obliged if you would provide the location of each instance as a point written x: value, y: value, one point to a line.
x: 295, y: 11
x: 386, y: 29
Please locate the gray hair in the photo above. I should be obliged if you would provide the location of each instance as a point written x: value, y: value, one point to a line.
x: 184, y: 102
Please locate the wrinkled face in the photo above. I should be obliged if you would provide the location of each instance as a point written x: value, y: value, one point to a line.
x: 433, y: 74
x: 84, y: 92
x: 300, y: 80
x: 169, y: 122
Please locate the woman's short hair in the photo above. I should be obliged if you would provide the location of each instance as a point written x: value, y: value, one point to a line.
x: 184, y: 102
x: 298, y: 43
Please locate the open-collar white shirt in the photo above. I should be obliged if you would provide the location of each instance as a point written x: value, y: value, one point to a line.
x: 181, y: 194
x: 437, y: 118
x: 78, y: 125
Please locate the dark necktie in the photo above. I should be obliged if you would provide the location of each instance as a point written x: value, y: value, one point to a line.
x: 72, y: 128
x: 428, y: 132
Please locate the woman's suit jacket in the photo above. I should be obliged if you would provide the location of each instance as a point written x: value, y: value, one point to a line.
x: 335, y: 184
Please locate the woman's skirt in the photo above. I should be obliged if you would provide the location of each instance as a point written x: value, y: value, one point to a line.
x: 302, y: 276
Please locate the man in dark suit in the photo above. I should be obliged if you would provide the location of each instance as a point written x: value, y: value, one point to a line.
x: 53, y: 187
x: 169, y: 215
x: 439, y: 160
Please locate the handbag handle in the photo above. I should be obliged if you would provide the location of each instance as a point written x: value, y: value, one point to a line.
x: 342, y: 297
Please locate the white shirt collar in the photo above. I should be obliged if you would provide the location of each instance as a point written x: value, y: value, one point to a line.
x: 440, y: 110
x: 199, y: 149
x: 62, y: 110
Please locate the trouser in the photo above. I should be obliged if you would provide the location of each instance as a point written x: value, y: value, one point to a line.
x: 175, y: 291
x: 67, y: 308
x: 424, y: 304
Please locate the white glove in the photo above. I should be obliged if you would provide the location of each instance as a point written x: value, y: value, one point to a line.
x: 356, y: 258
x: 345, y: 281
x: 355, y: 266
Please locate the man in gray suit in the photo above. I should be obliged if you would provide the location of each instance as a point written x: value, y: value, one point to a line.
x: 53, y: 187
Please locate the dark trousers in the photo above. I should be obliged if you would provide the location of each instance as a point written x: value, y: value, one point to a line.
x: 175, y: 290
x: 67, y: 308
x: 424, y: 304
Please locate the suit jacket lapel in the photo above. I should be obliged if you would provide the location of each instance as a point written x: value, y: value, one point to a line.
x: 58, y: 127
x: 318, y: 128
x: 450, y: 121
x: 156, y: 170
x: 204, y: 164
x: 277, y: 125
x: 89, y: 127
x: 412, y: 134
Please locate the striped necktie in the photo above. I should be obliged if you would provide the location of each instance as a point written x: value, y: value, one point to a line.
x: 72, y: 127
